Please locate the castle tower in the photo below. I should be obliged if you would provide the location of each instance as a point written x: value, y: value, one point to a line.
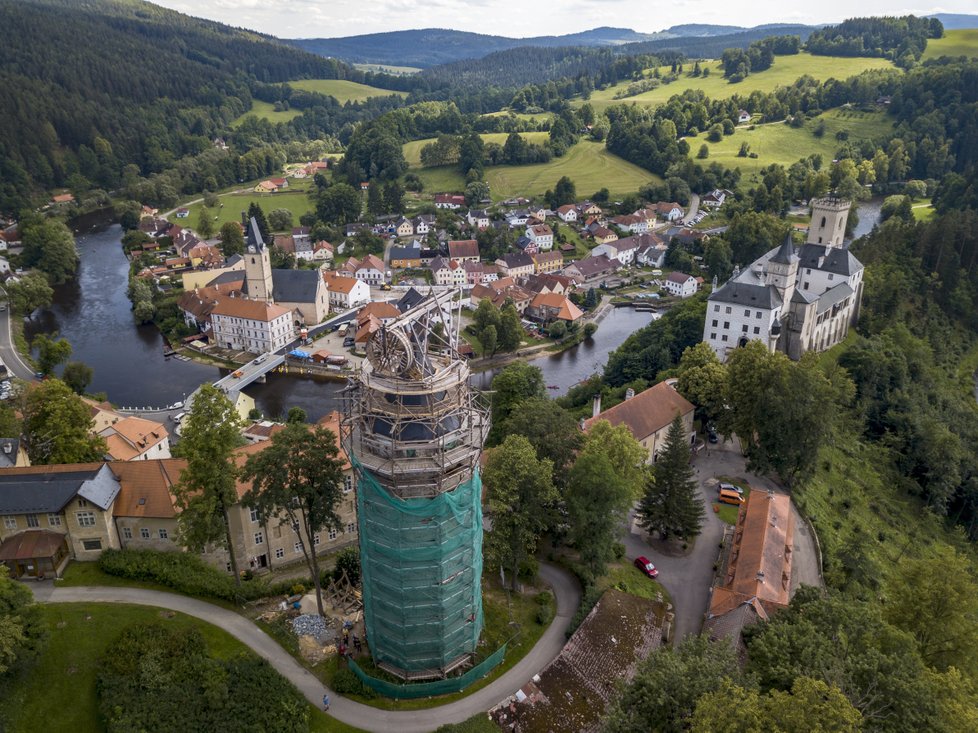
x: 829, y: 217
x: 414, y: 432
x: 258, y: 266
x: 782, y: 272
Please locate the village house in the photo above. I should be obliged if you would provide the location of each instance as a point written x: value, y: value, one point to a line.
x: 13, y: 452
x: 547, y: 262
x: 650, y: 215
x: 240, y: 324
x: 478, y: 219
x: 345, y: 292
x: 743, y: 117
x: 500, y: 292
x: 715, y: 198
x: 669, y: 211
x: 517, y: 218
x: 549, y: 307
x: 567, y: 213
x: 401, y: 257
x: 136, y: 439
x: 515, y: 265
x: 322, y: 251
x: 591, y: 268
x: 680, y: 284
x: 449, y: 201
x: 542, y: 236
x: 631, y: 223
x: 648, y: 416
x: 527, y: 246
x: 587, y: 208
x: 370, y: 270
x: 548, y: 284
x: 603, y: 235
x: 463, y: 250
x: 423, y: 224
x: 621, y: 249
x: 404, y: 228
x: 447, y: 272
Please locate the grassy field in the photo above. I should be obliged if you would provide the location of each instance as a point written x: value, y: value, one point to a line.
x: 266, y: 111
x: 963, y: 42
x: 412, y: 150
x: 60, y: 688
x: 295, y: 200
x: 923, y: 210
x: 344, y: 91
x: 786, y: 70
x: 388, y: 69
x: 781, y: 143
x: 588, y: 164
x: 520, y: 115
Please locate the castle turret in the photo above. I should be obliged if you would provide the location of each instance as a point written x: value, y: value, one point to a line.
x: 782, y: 271
x: 258, y: 266
x: 829, y: 217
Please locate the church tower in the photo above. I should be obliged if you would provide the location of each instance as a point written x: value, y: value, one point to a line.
x: 828, y: 225
x: 782, y: 272
x: 258, y: 266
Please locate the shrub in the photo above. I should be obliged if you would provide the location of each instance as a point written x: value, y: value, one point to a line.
x: 348, y: 559
x: 184, y: 573
x: 589, y: 599
x: 619, y: 549
x: 297, y: 589
x: 346, y: 682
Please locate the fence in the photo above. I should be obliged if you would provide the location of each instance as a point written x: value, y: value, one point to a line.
x: 430, y: 689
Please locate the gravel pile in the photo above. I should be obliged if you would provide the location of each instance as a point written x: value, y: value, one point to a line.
x: 309, y: 625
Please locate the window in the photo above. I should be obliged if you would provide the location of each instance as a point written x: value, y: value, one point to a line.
x: 713, y: 337
x: 745, y: 329
x: 315, y: 540
x: 144, y: 533
x: 85, y: 519
x: 82, y: 503
x: 54, y: 520
x: 716, y: 309
x: 831, y: 276
x: 808, y: 271
x: 757, y: 314
x: 92, y: 544
x: 298, y: 547
x: 757, y: 330
x: 127, y: 533
x: 747, y: 313
x: 332, y: 534
x: 279, y: 553
x: 32, y: 520
x: 10, y: 522
x: 726, y: 324
x: 714, y: 323
x: 724, y: 337
x: 347, y: 484
x: 351, y: 527
x: 254, y: 515
x: 164, y: 534
x: 728, y: 309
x: 805, y: 285
x: 259, y: 538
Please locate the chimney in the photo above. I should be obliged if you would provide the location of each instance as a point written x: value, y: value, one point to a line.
x: 596, y: 405
x: 629, y: 393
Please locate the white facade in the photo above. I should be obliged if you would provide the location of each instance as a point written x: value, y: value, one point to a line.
x: 542, y: 236
x: 626, y: 256
x: 729, y: 326
x: 683, y: 289
x: 254, y: 335
x: 370, y: 275
x: 346, y: 294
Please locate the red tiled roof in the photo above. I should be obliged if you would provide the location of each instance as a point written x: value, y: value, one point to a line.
x: 647, y: 412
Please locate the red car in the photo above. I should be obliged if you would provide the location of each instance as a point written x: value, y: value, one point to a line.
x: 646, y: 566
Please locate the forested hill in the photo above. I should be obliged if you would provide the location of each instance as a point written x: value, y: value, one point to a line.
x: 713, y: 46
x: 87, y: 86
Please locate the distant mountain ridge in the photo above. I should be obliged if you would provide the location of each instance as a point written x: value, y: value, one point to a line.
x: 435, y: 46
x: 956, y: 21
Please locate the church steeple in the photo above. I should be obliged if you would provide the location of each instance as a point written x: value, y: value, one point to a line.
x: 258, y: 266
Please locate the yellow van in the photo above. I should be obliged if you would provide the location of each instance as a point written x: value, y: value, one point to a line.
x: 728, y: 496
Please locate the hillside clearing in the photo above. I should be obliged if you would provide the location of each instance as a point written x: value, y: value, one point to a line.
x: 785, y: 71
x: 588, y: 164
x: 266, y: 111
x: 778, y: 142
x: 344, y: 91
x: 412, y: 150
x: 296, y: 200
x: 962, y: 42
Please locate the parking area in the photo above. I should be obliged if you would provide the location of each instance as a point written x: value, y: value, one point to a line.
x: 333, y: 343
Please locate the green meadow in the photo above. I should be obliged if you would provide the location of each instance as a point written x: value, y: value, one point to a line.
x: 266, y: 111
x: 962, y: 42
x: 785, y: 71
x: 343, y: 90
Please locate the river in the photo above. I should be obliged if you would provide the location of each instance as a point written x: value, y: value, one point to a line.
x: 94, y: 315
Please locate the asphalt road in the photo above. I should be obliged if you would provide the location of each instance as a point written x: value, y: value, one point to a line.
x: 8, y: 352
x: 566, y: 591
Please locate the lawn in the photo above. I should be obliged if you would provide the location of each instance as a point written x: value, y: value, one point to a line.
x: 588, y: 164
x: 232, y: 204
x: 923, y: 210
x: 962, y: 42
x: 412, y: 150
x: 266, y: 111
x: 785, y: 71
x: 728, y: 512
x: 344, y: 91
x: 60, y: 688
x: 629, y: 579
x: 778, y: 142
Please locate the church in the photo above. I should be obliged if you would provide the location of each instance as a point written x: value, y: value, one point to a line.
x: 304, y: 292
x: 792, y: 300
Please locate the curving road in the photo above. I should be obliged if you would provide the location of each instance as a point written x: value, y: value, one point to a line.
x: 8, y: 351
x: 565, y: 589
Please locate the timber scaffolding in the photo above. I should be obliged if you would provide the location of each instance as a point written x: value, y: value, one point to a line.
x: 414, y: 430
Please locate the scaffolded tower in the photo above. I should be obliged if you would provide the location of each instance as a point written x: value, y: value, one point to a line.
x: 414, y: 431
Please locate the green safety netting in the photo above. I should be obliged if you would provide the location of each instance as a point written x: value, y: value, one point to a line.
x: 430, y: 689
x: 422, y: 570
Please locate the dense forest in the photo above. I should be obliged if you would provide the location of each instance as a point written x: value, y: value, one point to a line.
x: 901, y: 40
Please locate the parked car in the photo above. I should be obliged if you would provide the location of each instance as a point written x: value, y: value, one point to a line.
x: 646, y: 566
x: 724, y: 486
x: 730, y: 497
x: 348, y: 341
x: 712, y: 436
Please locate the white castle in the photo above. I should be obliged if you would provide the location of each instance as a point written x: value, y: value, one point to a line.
x: 793, y: 301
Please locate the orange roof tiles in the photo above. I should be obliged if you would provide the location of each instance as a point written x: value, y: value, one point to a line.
x: 146, y: 487
x: 647, y: 412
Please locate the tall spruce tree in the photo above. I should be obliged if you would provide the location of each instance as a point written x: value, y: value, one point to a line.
x: 671, y: 505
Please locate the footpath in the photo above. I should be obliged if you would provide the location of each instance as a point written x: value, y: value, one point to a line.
x: 566, y: 592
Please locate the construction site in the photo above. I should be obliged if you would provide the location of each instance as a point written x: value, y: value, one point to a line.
x: 414, y: 431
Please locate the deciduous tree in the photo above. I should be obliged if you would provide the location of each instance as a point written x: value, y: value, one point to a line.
x: 50, y: 247
x: 232, y: 239
x: 51, y: 351
x: 58, y: 426
x: 28, y: 294
x: 298, y: 481
x: 514, y: 384
x: 22, y: 631
x: 552, y: 431
x: 208, y: 485
x: 521, y: 495
x: 77, y: 375
x: 280, y: 220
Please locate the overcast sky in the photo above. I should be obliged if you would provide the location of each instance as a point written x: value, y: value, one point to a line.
x: 521, y: 18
